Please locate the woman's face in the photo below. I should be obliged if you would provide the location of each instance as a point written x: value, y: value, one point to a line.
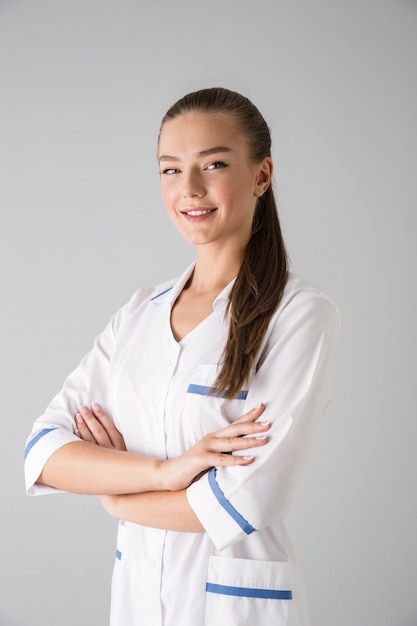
x: 209, y: 183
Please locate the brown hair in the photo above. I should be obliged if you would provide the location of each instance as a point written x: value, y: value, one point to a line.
x: 263, y: 274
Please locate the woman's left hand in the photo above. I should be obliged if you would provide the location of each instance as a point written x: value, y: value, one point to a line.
x: 95, y: 426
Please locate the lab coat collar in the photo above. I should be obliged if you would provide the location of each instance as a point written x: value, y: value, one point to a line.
x: 171, y: 293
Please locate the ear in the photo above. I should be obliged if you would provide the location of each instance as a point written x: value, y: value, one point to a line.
x: 264, y: 177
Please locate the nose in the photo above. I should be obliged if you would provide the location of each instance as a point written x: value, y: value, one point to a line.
x: 193, y: 184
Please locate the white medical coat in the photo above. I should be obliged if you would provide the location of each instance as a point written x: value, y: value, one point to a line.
x: 241, y: 572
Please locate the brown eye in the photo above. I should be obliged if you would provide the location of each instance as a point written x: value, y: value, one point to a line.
x: 216, y: 165
x: 169, y: 171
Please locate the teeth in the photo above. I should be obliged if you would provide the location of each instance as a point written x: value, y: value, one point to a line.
x: 201, y: 212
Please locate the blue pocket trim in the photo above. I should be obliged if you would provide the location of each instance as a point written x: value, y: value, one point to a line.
x: 203, y: 390
x: 31, y: 443
x: 228, y: 507
x: 249, y: 592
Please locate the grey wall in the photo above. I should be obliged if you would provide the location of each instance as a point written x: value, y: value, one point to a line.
x: 83, y: 85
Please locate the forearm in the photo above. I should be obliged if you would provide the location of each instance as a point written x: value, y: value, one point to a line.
x: 85, y: 468
x: 167, y: 510
x: 99, y: 464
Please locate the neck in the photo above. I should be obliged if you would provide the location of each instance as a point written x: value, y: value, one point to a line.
x: 213, y: 272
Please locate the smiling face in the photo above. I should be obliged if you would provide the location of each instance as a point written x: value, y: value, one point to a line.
x: 209, y: 183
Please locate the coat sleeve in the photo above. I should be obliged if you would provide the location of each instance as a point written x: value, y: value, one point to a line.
x: 88, y: 383
x: 293, y: 380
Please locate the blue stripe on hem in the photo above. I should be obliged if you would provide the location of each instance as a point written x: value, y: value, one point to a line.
x: 249, y: 592
x: 31, y: 443
x: 228, y: 507
x: 203, y: 390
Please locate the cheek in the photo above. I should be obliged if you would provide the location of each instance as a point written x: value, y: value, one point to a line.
x: 229, y: 191
x: 167, y: 194
x: 239, y: 194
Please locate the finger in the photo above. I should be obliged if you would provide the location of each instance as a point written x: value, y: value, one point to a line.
x: 98, y: 433
x: 232, y: 444
x: 240, y: 429
x: 252, y: 415
x: 82, y: 431
x: 115, y: 438
x: 100, y: 414
x: 229, y: 460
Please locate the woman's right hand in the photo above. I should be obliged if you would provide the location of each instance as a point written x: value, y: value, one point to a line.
x: 95, y: 426
x: 215, y: 450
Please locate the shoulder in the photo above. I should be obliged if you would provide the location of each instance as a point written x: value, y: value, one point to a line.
x: 306, y: 322
x: 138, y: 303
x: 303, y: 301
x: 300, y: 290
x: 145, y: 295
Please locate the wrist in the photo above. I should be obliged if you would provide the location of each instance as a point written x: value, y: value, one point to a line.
x: 161, y: 472
x: 169, y: 479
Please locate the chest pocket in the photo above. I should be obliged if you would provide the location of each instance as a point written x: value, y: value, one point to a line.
x: 208, y: 412
x: 248, y: 592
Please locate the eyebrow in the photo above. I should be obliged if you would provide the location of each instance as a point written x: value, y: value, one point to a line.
x: 202, y: 153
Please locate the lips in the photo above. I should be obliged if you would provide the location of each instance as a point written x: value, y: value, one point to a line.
x: 198, y: 211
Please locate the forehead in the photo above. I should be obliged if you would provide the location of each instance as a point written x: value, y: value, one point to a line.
x: 195, y: 132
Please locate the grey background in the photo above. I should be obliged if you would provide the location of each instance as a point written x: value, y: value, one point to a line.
x: 83, y: 86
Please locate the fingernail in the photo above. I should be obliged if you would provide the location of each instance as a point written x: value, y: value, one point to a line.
x: 247, y: 458
x: 77, y: 432
x: 261, y: 437
x: 264, y: 423
x: 79, y: 418
x: 96, y: 407
x: 83, y: 409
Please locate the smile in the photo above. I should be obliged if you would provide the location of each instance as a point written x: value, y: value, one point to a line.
x: 197, y: 212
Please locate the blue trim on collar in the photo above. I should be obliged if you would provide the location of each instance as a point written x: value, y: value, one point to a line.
x: 228, y: 507
x: 249, y: 592
x: 161, y: 293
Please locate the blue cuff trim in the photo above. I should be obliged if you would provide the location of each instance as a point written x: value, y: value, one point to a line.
x: 31, y: 443
x: 249, y: 592
x: 228, y: 507
x: 203, y: 390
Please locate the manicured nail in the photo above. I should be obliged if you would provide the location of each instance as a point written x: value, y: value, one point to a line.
x: 95, y: 406
x: 77, y: 432
x: 264, y: 423
x: 260, y: 437
x: 247, y: 458
x: 83, y: 410
x: 79, y: 418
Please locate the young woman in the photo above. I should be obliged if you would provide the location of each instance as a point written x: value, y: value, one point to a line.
x: 202, y: 539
